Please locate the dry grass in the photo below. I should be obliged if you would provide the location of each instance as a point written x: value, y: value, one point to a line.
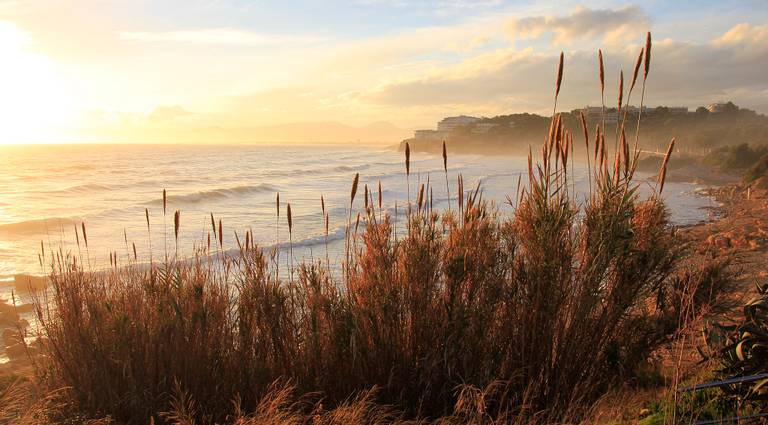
x: 469, y: 317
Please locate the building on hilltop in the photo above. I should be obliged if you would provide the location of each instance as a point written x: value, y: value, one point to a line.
x: 595, y: 113
x: 447, y: 125
x: 720, y: 107
x: 450, y: 123
x: 483, y: 127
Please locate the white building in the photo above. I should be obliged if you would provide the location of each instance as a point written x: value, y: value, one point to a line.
x: 450, y: 123
x: 483, y: 127
x: 595, y: 114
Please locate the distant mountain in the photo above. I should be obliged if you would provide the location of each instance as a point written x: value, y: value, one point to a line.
x: 298, y: 132
x: 325, y: 132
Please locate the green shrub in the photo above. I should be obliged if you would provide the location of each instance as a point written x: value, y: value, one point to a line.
x: 758, y: 170
x: 742, y: 349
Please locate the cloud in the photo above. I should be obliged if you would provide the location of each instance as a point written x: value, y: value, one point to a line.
x: 414, y: 76
x: 489, y: 57
x: 744, y: 33
x: 223, y: 36
x: 728, y: 67
x: 610, y: 25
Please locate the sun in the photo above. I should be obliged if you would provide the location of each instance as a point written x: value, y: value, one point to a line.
x: 36, y: 103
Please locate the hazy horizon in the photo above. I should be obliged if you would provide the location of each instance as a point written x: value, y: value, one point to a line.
x: 149, y: 72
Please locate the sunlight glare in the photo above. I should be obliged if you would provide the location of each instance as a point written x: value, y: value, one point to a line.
x: 35, y: 103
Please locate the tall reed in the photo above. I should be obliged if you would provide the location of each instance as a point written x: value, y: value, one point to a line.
x: 475, y: 316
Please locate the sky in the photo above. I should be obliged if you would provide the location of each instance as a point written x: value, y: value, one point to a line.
x: 103, y: 70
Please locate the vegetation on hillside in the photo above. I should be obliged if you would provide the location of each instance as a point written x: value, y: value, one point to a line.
x: 699, y: 132
x: 742, y: 161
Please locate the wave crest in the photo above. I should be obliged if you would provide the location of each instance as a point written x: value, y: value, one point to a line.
x: 216, y: 194
x: 36, y: 226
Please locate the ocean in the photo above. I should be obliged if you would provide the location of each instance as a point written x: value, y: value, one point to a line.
x: 46, y: 192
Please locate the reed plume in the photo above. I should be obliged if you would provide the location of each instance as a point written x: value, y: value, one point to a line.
x: 290, y: 239
x: 352, y: 194
x: 621, y: 89
x: 421, y: 196
x: 601, y: 72
x: 647, y: 55
x: 558, y: 83
x: 637, y: 69
x: 221, y: 236
x: 445, y: 169
x: 176, y: 224
x: 663, y: 171
x: 290, y: 219
x: 407, y: 159
x: 85, y: 235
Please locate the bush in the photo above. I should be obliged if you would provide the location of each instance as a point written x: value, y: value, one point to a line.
x: 464, y: 313
x: 545, y: 304
x: 742, y: 349
x: 736, y: 158
x: 758, y: 170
